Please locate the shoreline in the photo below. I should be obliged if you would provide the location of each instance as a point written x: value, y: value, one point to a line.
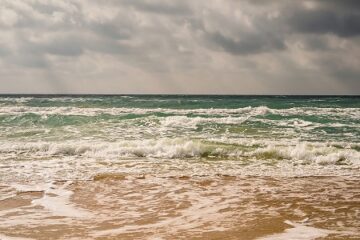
x: 113, y: 206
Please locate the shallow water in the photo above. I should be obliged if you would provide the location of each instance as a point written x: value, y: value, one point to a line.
x: 160, y: 167
x: 115, y: 206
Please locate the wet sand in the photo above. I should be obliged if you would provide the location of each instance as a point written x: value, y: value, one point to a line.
x: 116, y: 206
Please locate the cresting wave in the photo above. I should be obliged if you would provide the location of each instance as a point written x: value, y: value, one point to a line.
x: 301, y: 153
x: 353, y: 113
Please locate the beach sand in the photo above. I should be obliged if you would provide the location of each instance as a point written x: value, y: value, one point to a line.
x: 130, y: 206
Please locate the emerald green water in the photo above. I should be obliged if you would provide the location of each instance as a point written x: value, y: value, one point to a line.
x: 274, y: 131
x: 183, y: 101
x: 307, y: 118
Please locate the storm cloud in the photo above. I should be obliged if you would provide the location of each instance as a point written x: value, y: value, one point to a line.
x: 173, y: 46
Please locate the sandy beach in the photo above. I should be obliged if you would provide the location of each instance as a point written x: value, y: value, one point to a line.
x: 120, y: 206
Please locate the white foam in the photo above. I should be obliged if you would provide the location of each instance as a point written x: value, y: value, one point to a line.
x: 299, y: 232
x: 56, y: 200
x: 47, y: 161
x: 352, y: 113
x: 173, y: 148
x: 184, y: 121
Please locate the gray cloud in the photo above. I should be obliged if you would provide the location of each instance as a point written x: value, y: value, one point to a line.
x: 159, y: 7
x: 228, y: 46
x: 250, y: 44
x: 326, y: 21
x: 349, y: 4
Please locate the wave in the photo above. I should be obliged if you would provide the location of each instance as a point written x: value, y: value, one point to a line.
x: 353, y: 113
x: 193, y: 122
x: 118, y: 111
x: 242, y: 150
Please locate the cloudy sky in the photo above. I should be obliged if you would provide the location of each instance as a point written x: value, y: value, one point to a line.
x: 180, y: 46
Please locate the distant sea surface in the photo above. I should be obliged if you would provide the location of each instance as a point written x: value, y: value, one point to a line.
x: 179, y: 167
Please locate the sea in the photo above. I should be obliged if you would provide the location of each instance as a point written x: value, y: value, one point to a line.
x: 55, y: 147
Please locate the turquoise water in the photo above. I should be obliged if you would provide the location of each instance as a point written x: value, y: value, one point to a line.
x: 101, y: 165
x: 306, y: 118
x: 278, y: 130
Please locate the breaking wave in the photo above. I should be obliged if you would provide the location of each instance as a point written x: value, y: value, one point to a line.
x: 245, y: 150
x: 253, y: 111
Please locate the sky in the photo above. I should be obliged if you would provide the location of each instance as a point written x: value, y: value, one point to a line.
x: 180, y: 46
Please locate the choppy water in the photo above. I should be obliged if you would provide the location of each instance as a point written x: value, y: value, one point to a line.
x: 165, y: 167
x: 199, y: 134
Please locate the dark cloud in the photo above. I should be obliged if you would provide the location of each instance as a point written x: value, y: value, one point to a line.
x: 316, y: 43
x: 159, y: 7
x: 249, y: 44
x: 348, y: 75
x: 110, y: 30
x: 324, y: 21
x: 263, y: 41
x: 350, y: 4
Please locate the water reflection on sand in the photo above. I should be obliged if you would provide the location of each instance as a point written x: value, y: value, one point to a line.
x: 130, y: 206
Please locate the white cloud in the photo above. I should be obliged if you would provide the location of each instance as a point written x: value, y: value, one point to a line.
x: 8, y: 17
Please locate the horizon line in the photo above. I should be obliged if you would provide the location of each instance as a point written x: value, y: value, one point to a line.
x: 172, y: 94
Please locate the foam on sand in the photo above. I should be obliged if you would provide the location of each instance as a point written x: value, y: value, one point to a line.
x: 56, y: 200
x: 299, y: 232
x: 166, y: 207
